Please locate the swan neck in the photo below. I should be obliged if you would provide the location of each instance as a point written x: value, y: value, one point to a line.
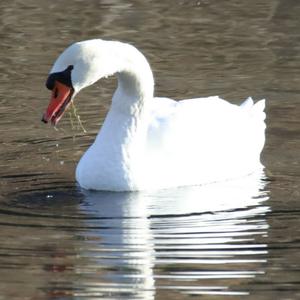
x: 135, y: 80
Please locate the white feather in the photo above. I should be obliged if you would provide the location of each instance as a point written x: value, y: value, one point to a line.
x: 153, y: 143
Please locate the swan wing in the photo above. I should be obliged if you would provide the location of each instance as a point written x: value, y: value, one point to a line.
x: 206, y: 133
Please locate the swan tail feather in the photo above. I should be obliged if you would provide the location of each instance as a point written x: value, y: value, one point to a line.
x: 247, y: 104
x: 258, y: 109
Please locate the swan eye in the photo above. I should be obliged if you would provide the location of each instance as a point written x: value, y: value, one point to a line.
x: 63, y: 77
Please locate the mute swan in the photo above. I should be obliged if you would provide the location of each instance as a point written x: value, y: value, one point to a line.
x: 151, y: 143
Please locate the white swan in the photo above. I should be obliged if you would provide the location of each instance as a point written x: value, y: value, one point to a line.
x: 148, y: 142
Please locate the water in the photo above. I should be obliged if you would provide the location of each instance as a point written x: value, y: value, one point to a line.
x: 225, y: 241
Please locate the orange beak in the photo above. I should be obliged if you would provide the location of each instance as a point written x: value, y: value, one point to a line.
x: 60, y: 100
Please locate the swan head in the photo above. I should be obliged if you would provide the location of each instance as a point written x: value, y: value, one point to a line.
x: 78, y: 66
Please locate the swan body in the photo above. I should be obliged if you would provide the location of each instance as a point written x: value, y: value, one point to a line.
x: 148, y: 142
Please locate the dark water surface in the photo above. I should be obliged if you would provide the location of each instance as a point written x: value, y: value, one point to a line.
x: 225, y: 241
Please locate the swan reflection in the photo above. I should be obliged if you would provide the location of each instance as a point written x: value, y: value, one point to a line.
x: 198, y: 240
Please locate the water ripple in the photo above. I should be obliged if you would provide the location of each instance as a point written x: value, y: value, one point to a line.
x: 129, y: 245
